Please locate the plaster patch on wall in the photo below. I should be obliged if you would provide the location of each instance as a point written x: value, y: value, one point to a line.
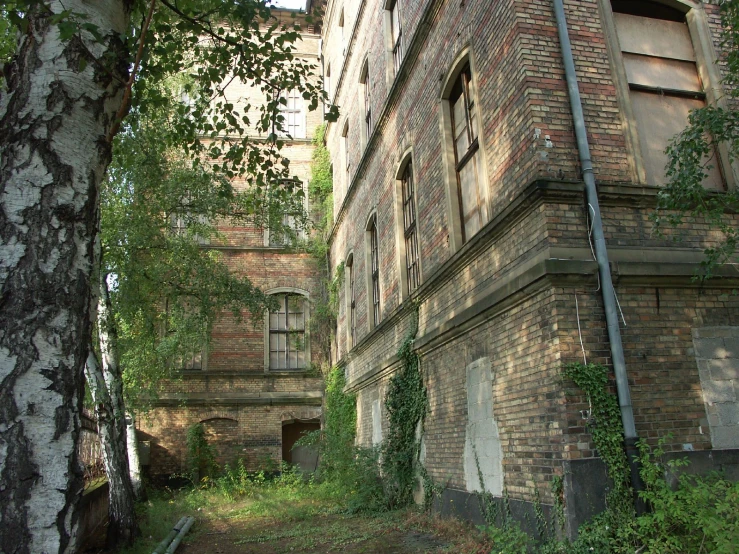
x: 717, y: 355
x: 482, y: 445
x: 376, y: 422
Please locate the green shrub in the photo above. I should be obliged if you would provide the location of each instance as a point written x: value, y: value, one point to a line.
x: 201, y: 458
x: 695, y: 514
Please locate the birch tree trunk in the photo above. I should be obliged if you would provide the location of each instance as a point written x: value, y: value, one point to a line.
x: 122, y: 528
x: 54, y: 120
x: 106, y: 384
x: 134, y: 461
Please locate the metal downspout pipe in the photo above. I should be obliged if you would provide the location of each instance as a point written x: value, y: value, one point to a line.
x: 601, y: 253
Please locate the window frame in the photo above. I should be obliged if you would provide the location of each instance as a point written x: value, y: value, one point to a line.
x: 394, y: 47
x: 305, y: 296
x: 708, y: 71
x: 454, y: 206
x: 364, y: 81
x: 350, y: 293
x: 299, y: 233
x: 372, y: 265
x: 402, y: 230
x: 298, y: 111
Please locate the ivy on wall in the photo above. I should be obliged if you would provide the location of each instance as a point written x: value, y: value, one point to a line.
x: 406, y: 403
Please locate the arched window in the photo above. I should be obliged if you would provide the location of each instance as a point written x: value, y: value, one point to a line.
x: 365, y: 83
x: 351, y: 302
x: 373, y: 265
x: 345, y: 153
x: 407, y: 235
x: 287, y: 344
x: 394, y: 33
x: 410, y: 229
x: 462, y: 154
x: 342, y: 35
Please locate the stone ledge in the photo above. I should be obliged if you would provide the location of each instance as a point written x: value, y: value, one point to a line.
x: 206, y: 374
x: 236, y: 399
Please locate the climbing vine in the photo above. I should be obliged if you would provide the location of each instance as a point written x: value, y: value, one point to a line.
x: 604, y: 424
x: 325, y: 303
x: 406, y: 403
x: 320, y: 193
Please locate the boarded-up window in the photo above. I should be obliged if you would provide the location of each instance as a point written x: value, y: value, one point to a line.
x: 664, y: 85
x: 466, y: 154
x: 287, y: 333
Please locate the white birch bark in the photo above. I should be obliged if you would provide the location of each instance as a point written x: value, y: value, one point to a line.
x: 106, y: 384
x: 134, y: 461
x: 121, y: 514
x: 54, y: 119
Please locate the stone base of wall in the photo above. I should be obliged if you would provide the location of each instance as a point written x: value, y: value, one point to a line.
x: 585, y: 486
x: 467, y: 505
x: 586, y: 482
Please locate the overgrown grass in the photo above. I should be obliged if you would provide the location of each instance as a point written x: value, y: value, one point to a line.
x: 288, y: 513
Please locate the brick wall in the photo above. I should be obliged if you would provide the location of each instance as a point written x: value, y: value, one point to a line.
x: 252, y: 434
x: 524, y: 292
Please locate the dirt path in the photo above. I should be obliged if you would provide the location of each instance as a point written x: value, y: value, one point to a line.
x: 394, y: 533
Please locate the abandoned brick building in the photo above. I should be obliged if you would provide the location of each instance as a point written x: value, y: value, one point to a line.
x: 460, y: 192
x: 253, y: 388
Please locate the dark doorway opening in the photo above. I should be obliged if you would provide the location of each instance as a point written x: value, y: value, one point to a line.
x: 306, y: 458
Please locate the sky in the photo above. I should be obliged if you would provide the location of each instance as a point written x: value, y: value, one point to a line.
x: 290, y: 4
